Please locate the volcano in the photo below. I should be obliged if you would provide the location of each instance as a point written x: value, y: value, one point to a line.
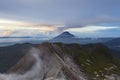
x: 65, y: 35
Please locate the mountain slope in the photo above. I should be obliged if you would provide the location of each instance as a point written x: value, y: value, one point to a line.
x: 113, y: 42
x: 12, y: 54
x: 68, y: 62
x: 114, y: 45
x: 95, y: 60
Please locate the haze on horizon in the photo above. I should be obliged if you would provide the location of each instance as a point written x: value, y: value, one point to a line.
x: 48, y: 18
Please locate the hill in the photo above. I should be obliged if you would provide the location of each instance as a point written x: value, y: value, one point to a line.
x: 114, y: 45
x: 113, y: 42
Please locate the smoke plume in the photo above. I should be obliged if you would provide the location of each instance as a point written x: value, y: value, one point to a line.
x: 33, y: 74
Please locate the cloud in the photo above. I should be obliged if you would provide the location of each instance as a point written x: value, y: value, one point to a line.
x: 101, y: 19
x: 61, y: 11
x: 65, y: 12
x: 4, y: 33
x: 91, y: 29
x: 22, y: 28
x: 55, y: 16
x: 13, y: 24
x: 89, y: 22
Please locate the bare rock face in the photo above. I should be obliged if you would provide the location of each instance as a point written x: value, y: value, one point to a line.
x: 51, y: 66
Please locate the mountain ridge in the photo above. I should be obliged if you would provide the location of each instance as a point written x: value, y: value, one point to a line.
x: 90, y: 61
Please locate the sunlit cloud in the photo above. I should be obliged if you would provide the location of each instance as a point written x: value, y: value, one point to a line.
x: 21, y: 28
x: 13, y: 22
x: 16, y: 25
x: 14, y: 28
x: 41, y: 28
x: 91, y: 29
x: 5, y: 33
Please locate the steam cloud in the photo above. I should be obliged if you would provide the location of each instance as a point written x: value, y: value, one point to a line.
x: 33, y: 74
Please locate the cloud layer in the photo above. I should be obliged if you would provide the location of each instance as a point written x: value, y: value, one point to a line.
x: 27, y: 17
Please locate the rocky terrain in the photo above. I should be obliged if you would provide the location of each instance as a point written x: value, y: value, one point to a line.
x: 58, y: 61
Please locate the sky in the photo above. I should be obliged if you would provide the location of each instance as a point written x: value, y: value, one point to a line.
x: 48, y: 18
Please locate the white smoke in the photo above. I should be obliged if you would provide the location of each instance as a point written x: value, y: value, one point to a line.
x: 33, y: 74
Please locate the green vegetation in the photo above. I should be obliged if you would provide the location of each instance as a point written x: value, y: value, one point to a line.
x: 94, y: 59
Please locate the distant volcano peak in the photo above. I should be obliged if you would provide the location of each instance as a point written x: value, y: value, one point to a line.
x: 65, y: 35
x: 66, y: 32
